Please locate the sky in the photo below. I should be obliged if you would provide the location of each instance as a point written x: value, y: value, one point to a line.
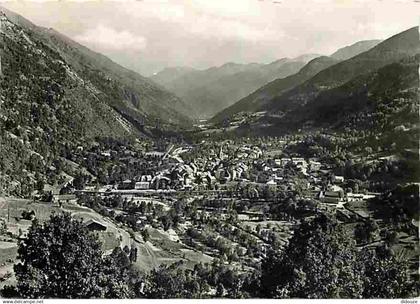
x: 149, y: 35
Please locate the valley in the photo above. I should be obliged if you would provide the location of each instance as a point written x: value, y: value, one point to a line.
x: 297, y: 178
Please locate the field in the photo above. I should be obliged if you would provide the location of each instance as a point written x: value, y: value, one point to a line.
x: 164, y: 247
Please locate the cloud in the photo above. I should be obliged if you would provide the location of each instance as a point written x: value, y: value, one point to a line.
x: 104, y: 37
x: 204, y: 33
x: 210, y: 27
x: 220, y: 19
x: 231, y: 8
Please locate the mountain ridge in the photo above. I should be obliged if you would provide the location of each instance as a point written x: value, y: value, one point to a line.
x: 300, y: 92
x: 140, y: 87
x: 379, y: 96
x: 54, y: 100
x: 214, y: 88
x: 259, y: 97
x: 354, y: 49
x: 390, y: 50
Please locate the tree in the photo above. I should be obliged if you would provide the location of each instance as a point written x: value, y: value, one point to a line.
x: 390, y: 237
x: 116, y: 280
x: 126, y: 250
x: 133, y: 254
x: 52, y: 266
x: 166, y: 282
x: 79, y: 181
x: 321, y: 261
x: 387, y: 277
x: 365, y: 231
x: 143, y: 207
x: 145, y: 234
x: 220, y: 290
x: 356, y: 188
x: 3, y: 226
x: 40, y: 185
x: 47, y: 196
x: 368, y: 150
x: 258, y: 228
x: 120, y: 258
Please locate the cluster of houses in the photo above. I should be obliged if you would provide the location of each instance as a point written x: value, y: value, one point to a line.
x: 216, y: 168
x: 204, y: 173
x: 322, y: 184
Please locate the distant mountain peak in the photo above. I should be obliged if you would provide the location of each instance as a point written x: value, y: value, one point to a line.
x: 306, y: 57
x: 280, y: 61
x: 325, y: 73
x: 230, y: 64
x: 354, y: 49
x: 210, y: 90
x: 135, y: 96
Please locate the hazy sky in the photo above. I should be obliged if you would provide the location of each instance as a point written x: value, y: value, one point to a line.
x: 149, y: 35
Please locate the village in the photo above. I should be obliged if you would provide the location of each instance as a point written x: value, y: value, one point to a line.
x: 225, y: 178
x: 215, y: 200
x: 208, y: 151
x: 238, y: 166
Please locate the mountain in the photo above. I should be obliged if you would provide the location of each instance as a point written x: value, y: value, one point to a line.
x: 256, y: 100
x: 57, y: 95
x: 355, y: 49
x: 135, y: 97
x: 375, y: 112
x: 307, y: 57
x: 391, y: 87
x: 374, y: 92
x: 211, y: 90
x: 177, y: 76
x: 168, y: 75
x: 392, y: 50
x: 276, y: 99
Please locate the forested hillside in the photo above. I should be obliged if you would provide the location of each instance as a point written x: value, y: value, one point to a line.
x: 290, y: 93
x: 57, y: 95
x: 258, y: 99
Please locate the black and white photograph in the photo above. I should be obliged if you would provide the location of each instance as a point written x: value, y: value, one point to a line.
x: 209, y: 149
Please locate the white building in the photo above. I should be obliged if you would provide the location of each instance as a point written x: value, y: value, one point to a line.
x: 338, y: 179
x: 142, y: 185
